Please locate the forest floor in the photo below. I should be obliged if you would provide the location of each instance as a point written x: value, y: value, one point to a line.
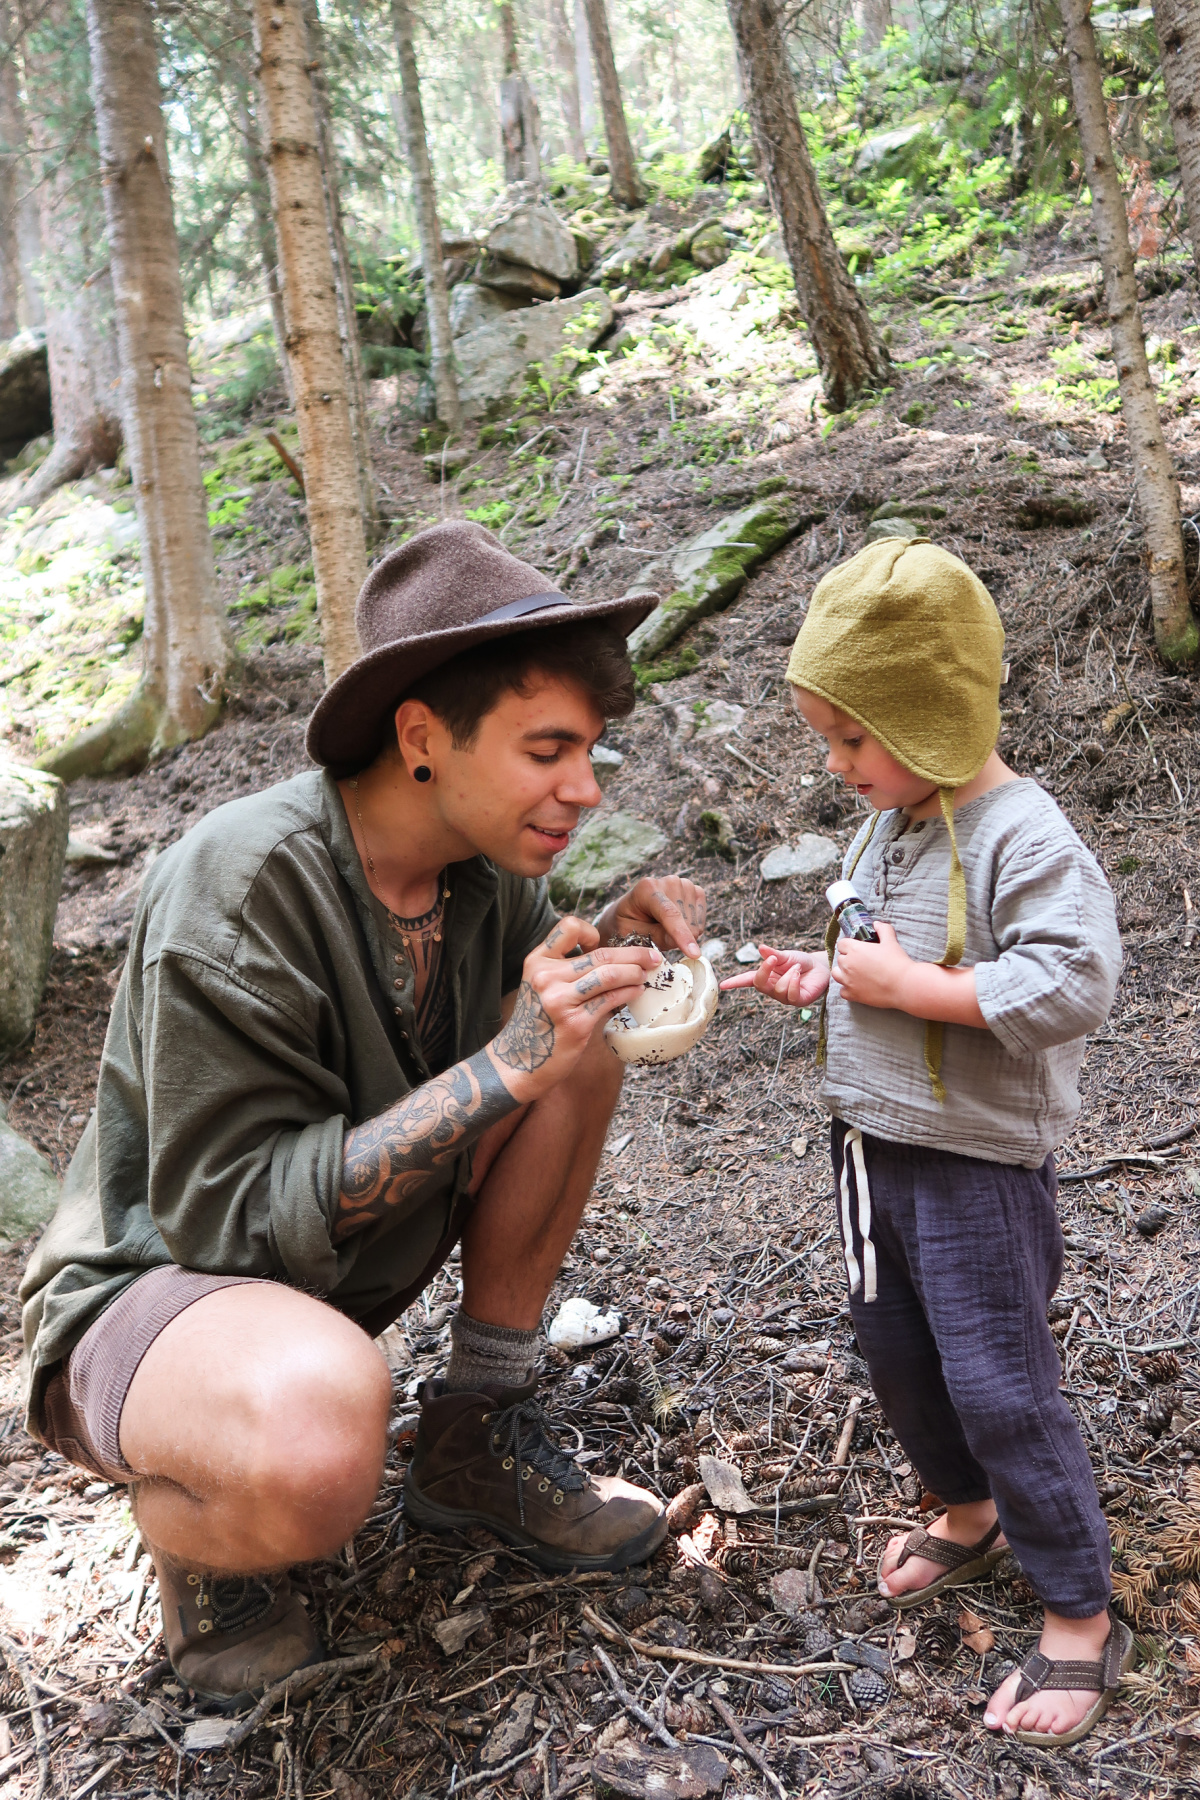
x: 712, y: 1227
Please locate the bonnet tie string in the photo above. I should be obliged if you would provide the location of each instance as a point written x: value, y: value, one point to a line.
x: 956, y: 939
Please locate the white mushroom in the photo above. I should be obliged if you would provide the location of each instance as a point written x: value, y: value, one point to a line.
x: 671, y: 1013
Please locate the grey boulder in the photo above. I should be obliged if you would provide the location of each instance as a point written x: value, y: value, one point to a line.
x: 883, y: 529
x: 606, y: 849
x: 494, y: 359
x: 807, y: 856
x: 28, y: 1186
x: 533, y: 234
x: 24, y: 389
x: 472, y: 306
x: 34, y: 820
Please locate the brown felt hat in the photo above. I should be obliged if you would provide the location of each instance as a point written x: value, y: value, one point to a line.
x: 447, y: 589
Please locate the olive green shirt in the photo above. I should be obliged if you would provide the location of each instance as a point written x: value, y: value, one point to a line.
x: 261, y: 1013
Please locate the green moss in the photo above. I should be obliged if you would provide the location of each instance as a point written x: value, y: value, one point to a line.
x: 648, y: 674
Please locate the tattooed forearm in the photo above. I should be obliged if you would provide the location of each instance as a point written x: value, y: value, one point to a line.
x: 389, y: 1158
x: 527, y: 1041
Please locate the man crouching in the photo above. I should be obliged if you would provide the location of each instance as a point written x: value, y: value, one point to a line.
x: 350, y: 1033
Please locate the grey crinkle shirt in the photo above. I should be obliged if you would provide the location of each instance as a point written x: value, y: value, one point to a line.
x: 1042, y: 937
x: 260, y: 1014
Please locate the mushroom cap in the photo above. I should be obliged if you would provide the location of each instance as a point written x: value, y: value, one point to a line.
x: 669, y: 1037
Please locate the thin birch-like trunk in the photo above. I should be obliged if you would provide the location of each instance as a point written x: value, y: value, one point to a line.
x: 185, y: 646
x: 258, y: 187
x: 583, y: 72
x: 520, y: 121
x: 850, y: 352
x: 347, y: 312
x: 1156, y: 486
x: 568, y: 78
x: 314, y: 343
x: 85, y: 379
x: 624, y: 184
x: 12, y: 139
x: 429, y: 231
x: 1177, y: 23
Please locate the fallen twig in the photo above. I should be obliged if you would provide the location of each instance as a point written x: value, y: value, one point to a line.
x: 661, y: 1653
x: 631, y: 1705
x: 16, y: 1658
x: 504, y: 1768
x: 743, y: 1742
x: 300, y: 1681
x: 286, y: 458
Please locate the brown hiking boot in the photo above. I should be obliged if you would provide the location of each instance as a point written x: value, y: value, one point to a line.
x: 231, y: 1636
x: 487, y: 1459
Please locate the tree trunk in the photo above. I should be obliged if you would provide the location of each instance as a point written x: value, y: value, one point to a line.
x: 568, y: 78
x: 583, y: 72
x: 850, y: 353
x: 11, y: 145
x: 520, y: 121
x: 343, y: 273
x: 185, y: 647
x: 85, y: 381
x: 1175, y: 627
x: 429, y: 231
x: 259, y: 190
x: 874, y: 21
x: 20, y: 224
x: 1177, y: 23
x: 314, y: 343
x: 624, y: 185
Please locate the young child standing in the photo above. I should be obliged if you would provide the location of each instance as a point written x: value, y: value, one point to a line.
x: 952, y: 1050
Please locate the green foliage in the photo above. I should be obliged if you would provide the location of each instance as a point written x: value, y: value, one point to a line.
x: 493, y: 515
x: 280, y: 610
x: 257, y: 374
x: 388, y: 359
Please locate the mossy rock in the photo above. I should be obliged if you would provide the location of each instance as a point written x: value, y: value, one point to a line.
x: 606, y: 849
x: 709, y: 571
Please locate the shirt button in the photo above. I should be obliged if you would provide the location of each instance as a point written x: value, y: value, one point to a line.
x: 398, y: 984
x: 398, y: 959
x: 897, y: 856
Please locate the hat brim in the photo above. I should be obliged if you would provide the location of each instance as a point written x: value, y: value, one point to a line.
x: 347, y: 724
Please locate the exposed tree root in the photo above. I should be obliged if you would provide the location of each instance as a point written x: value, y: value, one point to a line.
x: 141, y: 729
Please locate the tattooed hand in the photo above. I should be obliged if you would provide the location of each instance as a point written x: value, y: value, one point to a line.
x: 561, y: 1001
x: 667, y: 908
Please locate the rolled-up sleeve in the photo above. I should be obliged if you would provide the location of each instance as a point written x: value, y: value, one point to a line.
x: 245, y: 1128
x: 1060, y: 951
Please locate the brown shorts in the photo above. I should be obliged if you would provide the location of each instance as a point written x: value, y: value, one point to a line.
x: 81, y: 1411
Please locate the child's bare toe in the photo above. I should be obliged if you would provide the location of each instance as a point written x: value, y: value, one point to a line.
x: 1000, y: 1704
x: 1054, y: 1711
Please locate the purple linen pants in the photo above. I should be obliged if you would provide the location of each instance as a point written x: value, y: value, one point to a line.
x: 951, y: 1262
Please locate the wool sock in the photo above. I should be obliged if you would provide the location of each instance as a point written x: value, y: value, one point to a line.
x: 493, y: 1354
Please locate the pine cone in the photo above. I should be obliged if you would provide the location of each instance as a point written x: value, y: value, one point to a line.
x: 939, y: 1639
x: 1158, y: 1414
x: 774, y: 1694
x: 817, y: 1642
x: 1102, y: 1365
x: 868, y: 1689
x: 1160, y: 1368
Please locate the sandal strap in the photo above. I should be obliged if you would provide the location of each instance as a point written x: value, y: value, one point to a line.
x: 940, y: 1550
x: 1038, y: 1671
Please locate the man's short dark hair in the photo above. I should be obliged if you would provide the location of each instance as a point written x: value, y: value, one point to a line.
x: 464, y: 690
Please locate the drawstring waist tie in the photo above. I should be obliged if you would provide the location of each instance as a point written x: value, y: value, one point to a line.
x: 852, y: 1147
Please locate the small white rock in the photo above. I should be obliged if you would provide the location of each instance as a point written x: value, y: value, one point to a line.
x: 577, y: 1323
x: 714, y: 949
x: 747, y: 954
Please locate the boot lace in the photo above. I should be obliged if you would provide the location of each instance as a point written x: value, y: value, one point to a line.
x: 522, y: 1434
x: 235, y: 1602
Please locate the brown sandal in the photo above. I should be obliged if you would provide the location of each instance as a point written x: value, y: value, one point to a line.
x: 962, y: 1563
x: 1104, y: 1677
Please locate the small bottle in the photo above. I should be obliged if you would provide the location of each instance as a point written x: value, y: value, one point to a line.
x: 854, y: 921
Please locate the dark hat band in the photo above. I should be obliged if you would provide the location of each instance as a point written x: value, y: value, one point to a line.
x: 516, y: 609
